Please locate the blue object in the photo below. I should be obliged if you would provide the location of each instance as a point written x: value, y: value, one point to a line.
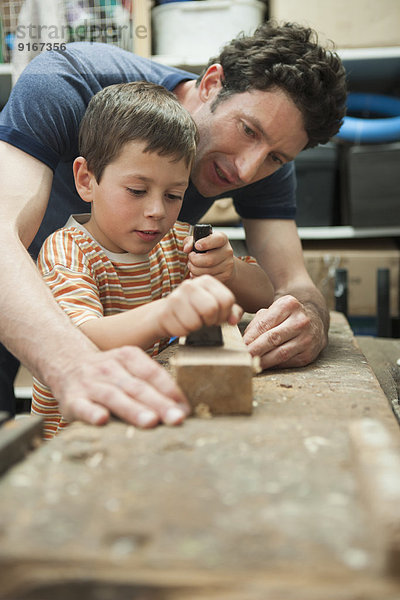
x: 376, y: 130
x: 10, y: 37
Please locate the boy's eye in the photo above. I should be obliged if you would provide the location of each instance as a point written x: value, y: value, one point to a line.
x: 173, y: 197
x: 136, y: 192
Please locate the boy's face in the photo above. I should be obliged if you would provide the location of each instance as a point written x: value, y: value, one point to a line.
x: 137, y: 200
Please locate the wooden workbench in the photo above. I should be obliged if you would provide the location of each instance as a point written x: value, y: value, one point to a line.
x: 298, y: 501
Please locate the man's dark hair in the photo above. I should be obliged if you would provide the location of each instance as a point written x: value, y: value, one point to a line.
x: 288, y: 57
x: 137, y: 111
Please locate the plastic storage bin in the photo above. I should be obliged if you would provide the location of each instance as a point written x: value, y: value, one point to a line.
x: 316, y: 172
x: 197, y: 30
x: 370, y: 181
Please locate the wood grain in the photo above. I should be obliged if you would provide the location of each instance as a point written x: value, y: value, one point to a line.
x: 264, y: 507
x: 216, y: 380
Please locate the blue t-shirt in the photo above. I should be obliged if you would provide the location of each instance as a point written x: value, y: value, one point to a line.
x: 46, y: 105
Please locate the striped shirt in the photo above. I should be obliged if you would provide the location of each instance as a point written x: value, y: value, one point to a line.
x: 89, y: 282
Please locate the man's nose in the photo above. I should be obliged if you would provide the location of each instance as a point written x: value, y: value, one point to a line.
x: 249, y: 163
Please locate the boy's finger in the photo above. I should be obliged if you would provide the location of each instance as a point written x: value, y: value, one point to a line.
x: 213, y: 241
x: 218, y: 306
x: 188, y: 244
x: 236, y: 314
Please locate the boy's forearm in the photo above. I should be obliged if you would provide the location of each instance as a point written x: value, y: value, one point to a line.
x: 251, y: 285
x: 139, y: 326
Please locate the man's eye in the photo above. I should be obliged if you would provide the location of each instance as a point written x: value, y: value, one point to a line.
x: 248, y: 131
x: 276, y: 159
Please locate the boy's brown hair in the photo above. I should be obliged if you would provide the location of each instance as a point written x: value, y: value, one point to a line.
x: 140, y: 111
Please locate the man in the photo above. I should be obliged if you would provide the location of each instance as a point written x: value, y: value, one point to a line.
x: 261, y: 102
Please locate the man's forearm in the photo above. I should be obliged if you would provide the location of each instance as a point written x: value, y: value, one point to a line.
x: 251, y: 285
x: 33, y: 327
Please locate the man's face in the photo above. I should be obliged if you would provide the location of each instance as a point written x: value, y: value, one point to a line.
x: 247, y: 137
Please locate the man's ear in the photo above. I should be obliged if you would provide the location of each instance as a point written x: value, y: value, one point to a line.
x: 211, y: 82
x: 84, y: 179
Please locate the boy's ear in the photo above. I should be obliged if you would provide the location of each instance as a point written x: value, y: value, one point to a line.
x: 84, y: 179
x: 211, y: 82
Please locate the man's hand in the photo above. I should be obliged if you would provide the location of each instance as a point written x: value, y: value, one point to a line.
x: 125, y: 382
x: 287, y: 334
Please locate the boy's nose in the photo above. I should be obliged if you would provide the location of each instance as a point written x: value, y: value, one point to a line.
x: 155, y: 207
x: 249, y: 163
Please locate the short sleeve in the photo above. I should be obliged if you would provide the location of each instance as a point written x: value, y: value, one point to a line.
x: 271, y: 198
x: 65, y: 270
x: 46, y: 105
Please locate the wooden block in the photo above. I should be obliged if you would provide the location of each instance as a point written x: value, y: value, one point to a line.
x: 216, y: 379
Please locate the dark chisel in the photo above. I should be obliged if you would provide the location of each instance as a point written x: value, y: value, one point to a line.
x: 206, y: 335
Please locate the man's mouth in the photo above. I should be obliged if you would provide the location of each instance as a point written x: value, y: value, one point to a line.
x: 221, y: 174
x: 225, y: 178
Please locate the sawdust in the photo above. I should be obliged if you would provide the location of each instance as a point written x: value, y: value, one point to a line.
x: 202, y: 410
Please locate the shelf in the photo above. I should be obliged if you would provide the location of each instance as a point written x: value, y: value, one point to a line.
x: 5, y: 69
x: 345, y: 232
x: 341, y: 232
x: 369, y: 53
x: 346, y: 54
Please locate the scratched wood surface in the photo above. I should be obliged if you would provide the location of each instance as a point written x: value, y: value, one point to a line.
x: 294, y: 502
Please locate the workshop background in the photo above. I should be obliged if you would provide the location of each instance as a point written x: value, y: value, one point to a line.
x: 300, y: 500
x: 348, y: 190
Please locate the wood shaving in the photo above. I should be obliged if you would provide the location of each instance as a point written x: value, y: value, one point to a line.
x: 202, y: 410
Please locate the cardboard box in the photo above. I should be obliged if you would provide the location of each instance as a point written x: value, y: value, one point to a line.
x: 355, y: 24
x: 362, y: 259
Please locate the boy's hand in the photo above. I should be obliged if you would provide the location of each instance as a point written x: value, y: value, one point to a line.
x: 217, y: 260
x: 198, y: 302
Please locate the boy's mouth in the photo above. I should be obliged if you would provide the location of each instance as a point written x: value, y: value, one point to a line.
x: 148, y: 235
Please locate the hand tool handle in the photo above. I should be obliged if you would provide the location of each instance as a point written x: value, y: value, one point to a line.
x: 200, y: 230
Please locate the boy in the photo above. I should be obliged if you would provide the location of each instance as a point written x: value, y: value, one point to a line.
x: 116, y: 272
